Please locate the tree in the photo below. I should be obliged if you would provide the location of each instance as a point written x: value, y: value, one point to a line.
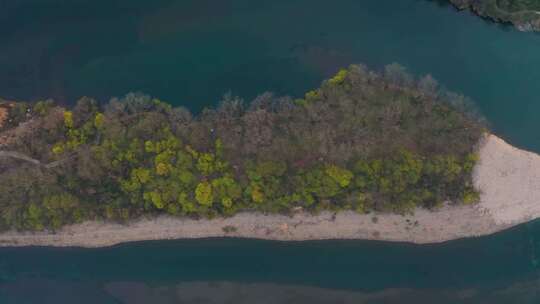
x: 60, y: 209
x: 226, y: 190
x: 397, y: 75
x: 206, y: 164
x: 428, y: 85
x: 362, y: 141
x: 68, y: 119
x: 99, y: 121
x: 203, y: 194
x: 341, y: 176
x: 339, y: 78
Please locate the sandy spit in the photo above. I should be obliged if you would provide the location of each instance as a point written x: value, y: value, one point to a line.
x: 508, y: 178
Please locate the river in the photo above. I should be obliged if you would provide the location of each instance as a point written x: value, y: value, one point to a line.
x: 190, y: 53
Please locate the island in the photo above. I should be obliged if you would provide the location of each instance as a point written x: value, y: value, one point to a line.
x: 523, y: 14
x: 368, y: 155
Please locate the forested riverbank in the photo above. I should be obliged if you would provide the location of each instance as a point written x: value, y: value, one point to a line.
x: 363, y: 141
x: 524, y: 14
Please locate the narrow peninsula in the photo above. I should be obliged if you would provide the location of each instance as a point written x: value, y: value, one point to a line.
x: 365, y: 156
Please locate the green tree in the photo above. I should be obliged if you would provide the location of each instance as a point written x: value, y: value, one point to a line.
x: 204, y: 194
x: 340, y: 175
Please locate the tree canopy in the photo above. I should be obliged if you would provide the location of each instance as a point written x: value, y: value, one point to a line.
x: 363, y: 141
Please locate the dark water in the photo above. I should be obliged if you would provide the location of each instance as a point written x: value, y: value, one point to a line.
x: 494, y: 269
x: 190, y: 53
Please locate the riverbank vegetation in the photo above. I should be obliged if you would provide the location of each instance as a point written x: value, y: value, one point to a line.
x: 524, y: 14
x: 364, y: 141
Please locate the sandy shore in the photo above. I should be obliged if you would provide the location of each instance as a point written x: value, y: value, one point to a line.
x: 508, y: 178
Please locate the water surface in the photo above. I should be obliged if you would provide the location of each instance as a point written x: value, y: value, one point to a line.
x: 493, y: 269
x: 190, y: 53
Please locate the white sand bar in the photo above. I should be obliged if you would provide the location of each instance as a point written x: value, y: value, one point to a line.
x: 508, y: 178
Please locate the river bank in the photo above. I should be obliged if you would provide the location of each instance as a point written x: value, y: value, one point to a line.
x: 508, y: 178
x: 526, y: 20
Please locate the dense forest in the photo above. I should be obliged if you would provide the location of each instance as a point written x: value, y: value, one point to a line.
x: 524, y: 14
x: 363, y: 141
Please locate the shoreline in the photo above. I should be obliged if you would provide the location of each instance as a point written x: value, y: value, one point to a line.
x: 301, y: 227
x: 504, y: 17
x: 508, y: 178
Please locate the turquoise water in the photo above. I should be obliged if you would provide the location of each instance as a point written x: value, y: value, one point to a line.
x: 495, y: 269
x: 190, y: 53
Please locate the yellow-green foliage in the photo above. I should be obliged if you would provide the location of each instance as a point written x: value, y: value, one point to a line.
x: 138, y: 177
x: 68, y: 119
x: 401, y: 180
x: 227, y: 202
x: 188, y: 206
x: 171, y: 181
x: 470, y: 196
x: 155, y: 198
x: 185, y: 177
x: 77, y: 136
x: 266, y: 181
x: 226, y: 190
x: 59, y: 207
x: 42, y: 107
x: 339, y: 78
x: 205, y: 163
x: 149, y: 146
x: 162, y: 169
x: 163, y: 162
x: 257, y: 194
x: 312, y: 95
x: 169, y: 143
x: 470, y: 162
x: 142, y: 175
x: 203, y: 193
x: 355, y: 143
x: 390, y: 175
x: 300, y: 102
x: 99, y: 120
x: 34, y: 217
x: 162, y: 105
x: 447, y: 166
x: 340, y: 175
x: 58, y: 149
x: 192, y: 152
